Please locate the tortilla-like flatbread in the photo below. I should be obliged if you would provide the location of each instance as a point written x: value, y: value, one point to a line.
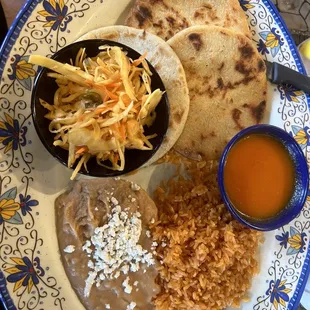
x: 168, y: 66
x: 227, y: 85
x: 165, y: 18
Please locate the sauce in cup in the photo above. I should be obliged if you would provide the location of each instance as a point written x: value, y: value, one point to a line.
x: 259, y: 176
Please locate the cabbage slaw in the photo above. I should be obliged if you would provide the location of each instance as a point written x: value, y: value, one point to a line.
x: 100, y: 106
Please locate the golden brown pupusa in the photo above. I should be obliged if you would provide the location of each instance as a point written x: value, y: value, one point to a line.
x: 165, y: 18
x: 227, y: 86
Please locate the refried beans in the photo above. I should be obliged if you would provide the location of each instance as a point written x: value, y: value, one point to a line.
x: 87, y: 206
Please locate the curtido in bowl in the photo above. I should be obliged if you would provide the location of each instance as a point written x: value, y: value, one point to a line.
x: 99, y: 107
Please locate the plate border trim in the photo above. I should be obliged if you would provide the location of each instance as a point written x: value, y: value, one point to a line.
x: 15, y: 30
x: 6, y: 47
x: 305, y: 270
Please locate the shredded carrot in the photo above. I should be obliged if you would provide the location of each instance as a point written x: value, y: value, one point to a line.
x: 122, y: 130
x: 111, y: 95
x: 127, y: 100
x: 137, y: 107
x: 81, y: 150
x: 81, y: 117
x: 138, y: 61
x: 89, y: 83
x: 113, y: 84
x: 115, y: 126
x: 115, y: 157
x: 101, y: 110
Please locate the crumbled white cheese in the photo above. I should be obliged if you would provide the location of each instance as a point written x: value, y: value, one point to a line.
x: 134, y: 267
x: 117, y: 178
x: 114, y: 247
x: 96, y: 209
x: 133, y: 199
x: 127, y: 286
x: 135, y: 283
x: 69, y: 248
x: 131, y: 306
x: 86, y: 247
x: 154, y: 244
x: 135, y: 187
x: 163, y: 244
x: 148, y: 234
x: 114, y: 201
x: 89, y: 282
x: 107, y: 306
x: 152, y: 221
x: 125, y: 269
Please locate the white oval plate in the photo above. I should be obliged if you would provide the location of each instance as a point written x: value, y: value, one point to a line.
x: 30, y: 178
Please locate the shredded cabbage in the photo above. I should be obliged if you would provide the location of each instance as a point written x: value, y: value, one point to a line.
x: 101, y: 106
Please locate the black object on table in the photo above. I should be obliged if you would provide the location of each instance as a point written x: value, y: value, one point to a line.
x: 280, y: 74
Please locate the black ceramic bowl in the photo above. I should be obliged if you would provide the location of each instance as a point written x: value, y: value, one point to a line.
x: 45, y: 87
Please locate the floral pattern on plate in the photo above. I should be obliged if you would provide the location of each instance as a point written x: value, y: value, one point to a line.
x: 30, y: 178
